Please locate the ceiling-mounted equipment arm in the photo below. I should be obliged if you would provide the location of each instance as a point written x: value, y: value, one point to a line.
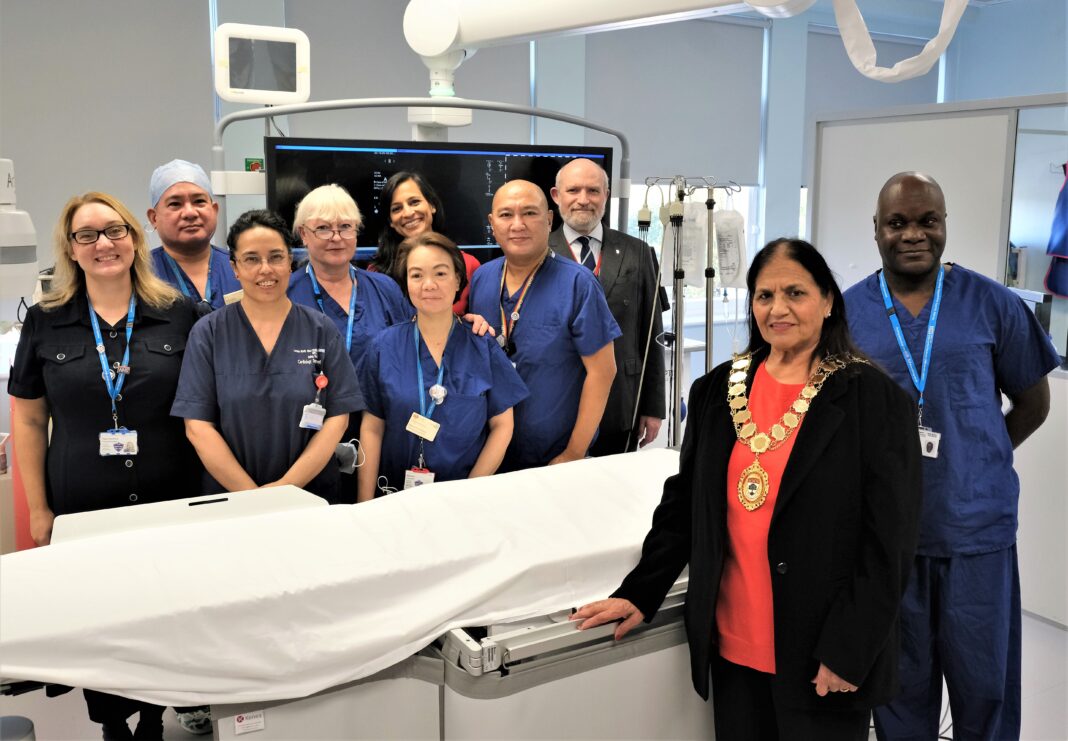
x: 434, y: 27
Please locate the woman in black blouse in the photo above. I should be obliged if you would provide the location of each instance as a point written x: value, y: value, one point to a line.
x: 113, y: 440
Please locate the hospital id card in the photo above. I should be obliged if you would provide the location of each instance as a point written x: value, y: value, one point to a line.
x: 118, y: 442
x: 929, y: 440
x: 313, y: 416
x: 423, y: 427
x: 417, y: 477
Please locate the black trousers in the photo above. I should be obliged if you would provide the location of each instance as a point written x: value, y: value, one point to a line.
x: 610, y: 442
x: 111, y: 711
x: 745, y: 711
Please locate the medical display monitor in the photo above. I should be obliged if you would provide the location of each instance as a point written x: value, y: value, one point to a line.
x: 465, y: 177
x: 261, y: 64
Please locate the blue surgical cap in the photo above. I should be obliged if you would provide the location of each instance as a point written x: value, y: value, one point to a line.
x: 176, y: 171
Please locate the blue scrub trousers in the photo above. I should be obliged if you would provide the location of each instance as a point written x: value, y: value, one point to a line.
x: 960, y: 618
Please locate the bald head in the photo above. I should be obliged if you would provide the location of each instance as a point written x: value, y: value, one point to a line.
x: 521, y: 221
x: 911, y: 181
x: 522, y: 189
x: 581, y: 167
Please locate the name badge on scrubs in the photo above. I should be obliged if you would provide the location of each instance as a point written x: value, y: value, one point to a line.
x: 118, y: 442
x: 929, y: 440
x: 417, y: 477
x: 313, y: 417
x: 423, y: 427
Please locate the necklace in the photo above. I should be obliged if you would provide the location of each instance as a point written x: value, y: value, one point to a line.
x: 753, y: 483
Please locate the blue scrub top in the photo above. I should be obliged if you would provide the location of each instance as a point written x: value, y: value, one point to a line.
x: 479, y: 381
x: 379, y: 304
x: 256, y: 400
x: 986, y: 342
x: 222, y: 279
x: 564, y: 318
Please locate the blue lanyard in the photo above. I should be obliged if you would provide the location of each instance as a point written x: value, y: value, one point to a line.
x: 181, y: 281
x: 423, y: 393
x: 352, y: 301
x: 113, y: 387
x: 918, y: 380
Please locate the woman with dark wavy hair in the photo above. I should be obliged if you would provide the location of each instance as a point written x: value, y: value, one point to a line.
x: 266, y: 386
x: 796, y: 507
x: 414, y: 208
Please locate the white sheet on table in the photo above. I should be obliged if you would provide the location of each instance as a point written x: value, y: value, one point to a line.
x: 286, y: 604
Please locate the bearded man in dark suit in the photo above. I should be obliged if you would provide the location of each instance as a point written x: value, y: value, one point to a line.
x: 626, y: 268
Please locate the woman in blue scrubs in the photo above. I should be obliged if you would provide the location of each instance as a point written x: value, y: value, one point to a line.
x: 460, y: 386
x: 266, y: 387
x: 359, y: 303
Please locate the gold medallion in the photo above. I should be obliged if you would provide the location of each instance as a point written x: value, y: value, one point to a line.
x: 759, y: 443
x: 753, y: 486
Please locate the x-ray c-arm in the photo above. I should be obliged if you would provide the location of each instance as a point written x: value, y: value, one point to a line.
x: 436, y: 27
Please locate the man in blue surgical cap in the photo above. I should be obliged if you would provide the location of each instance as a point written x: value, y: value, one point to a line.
x: 184, y: 214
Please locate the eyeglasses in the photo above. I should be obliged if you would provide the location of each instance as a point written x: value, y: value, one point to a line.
x: 325, y: 233
x: 275, y: 260
x: 92, y: 236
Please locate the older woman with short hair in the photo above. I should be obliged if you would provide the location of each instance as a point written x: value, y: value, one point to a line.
x: 359, y: 303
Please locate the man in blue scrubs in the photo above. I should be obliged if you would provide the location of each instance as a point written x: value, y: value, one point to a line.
x: 553, y: 321
x: 957, y: 341
x: 184, y: 214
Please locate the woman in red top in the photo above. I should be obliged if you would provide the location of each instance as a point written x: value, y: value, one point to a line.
x: 414, y: 208
x: 796, y: 507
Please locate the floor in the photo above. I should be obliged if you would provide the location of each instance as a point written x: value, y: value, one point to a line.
x: 1045, y: 696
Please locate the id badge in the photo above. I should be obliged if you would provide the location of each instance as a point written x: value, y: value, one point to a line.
x: 417, y: 477
x: 313, y: 417
x: 929, y: 440
x: 423, y: 427
x: 118, y: 442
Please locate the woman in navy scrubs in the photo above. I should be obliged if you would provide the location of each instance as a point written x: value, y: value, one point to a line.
x: 99, y: 357
x: 266, y: 387
x: 461, y: 385
x: 359, y: 303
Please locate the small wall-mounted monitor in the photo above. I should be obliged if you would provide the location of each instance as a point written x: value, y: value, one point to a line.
x: 262, y: 64
x: 465, y: 176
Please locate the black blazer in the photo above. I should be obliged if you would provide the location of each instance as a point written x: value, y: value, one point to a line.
x: 841, y: 543
x: 628, y: 276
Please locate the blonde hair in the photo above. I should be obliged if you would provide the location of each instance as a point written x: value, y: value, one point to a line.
x: 69, y: 278
x: 329, y: 203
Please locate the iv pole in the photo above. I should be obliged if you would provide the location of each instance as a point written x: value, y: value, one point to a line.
x: 682, y: 187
